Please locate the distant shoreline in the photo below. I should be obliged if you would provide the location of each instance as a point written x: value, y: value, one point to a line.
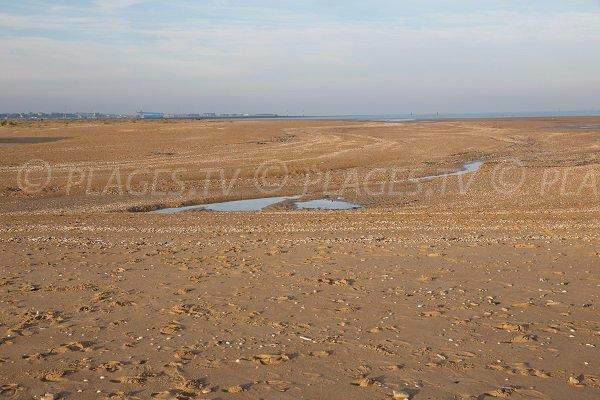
x: 263, y: 117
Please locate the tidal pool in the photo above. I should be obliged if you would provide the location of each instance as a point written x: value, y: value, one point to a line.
x: 318, y: 204
x: 467, y: 169
x: 259, y: 204
x: 232, y: 206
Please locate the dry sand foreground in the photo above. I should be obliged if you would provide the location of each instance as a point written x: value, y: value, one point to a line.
x: 478, y: 286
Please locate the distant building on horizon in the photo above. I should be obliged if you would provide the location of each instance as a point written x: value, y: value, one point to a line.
x: 150, y: 115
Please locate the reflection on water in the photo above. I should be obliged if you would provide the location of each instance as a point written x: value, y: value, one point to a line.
x: 318, y: 204
x: 230, y: 206
x: 259, y: 204
x: 467, y: 169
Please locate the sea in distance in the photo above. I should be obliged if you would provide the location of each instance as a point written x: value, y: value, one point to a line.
x: 436, y: 116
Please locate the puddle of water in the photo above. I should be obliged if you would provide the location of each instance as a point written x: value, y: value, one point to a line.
x: 326, y: 204
x: 232, y: 206
x: 319, y: 204
x: 467, y: 169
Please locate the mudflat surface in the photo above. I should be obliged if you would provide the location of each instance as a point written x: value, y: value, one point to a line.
x: 478, y: 286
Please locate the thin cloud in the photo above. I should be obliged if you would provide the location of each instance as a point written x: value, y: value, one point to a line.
x: 231, y: 52
x: 114, y: 5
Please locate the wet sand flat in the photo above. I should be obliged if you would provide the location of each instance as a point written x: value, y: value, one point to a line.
x: 476, y: 286
x: 27, y: 140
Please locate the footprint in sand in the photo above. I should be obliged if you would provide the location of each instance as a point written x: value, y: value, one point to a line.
x: 10, y: 390
x: 519, y: 369
x: 271, y: 359
x: 121, y: 395
x: 321, y: 354
x: 172, y: 328
x: 54, y: 376
x: 111, y: 366
x: 187, y: 353
x: 235, y: 389
x: 585, y: 380
x: 74, y: 346
x: 506, y: 326
x: 509, y: 391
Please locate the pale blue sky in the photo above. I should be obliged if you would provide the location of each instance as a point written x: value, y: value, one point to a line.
x: 304, y: 56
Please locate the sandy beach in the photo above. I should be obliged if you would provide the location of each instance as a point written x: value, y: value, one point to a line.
x: 479, y: 285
